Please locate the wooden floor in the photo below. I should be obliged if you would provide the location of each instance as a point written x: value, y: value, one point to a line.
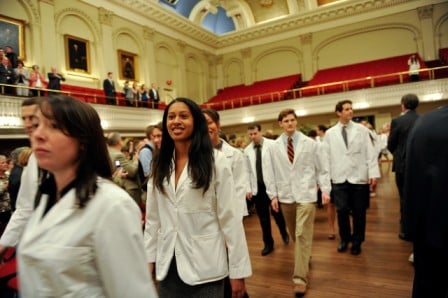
x: 381, y: 270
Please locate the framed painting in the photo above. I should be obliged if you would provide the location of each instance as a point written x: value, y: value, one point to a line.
x: 12, y: 34
x: 128, y: 65
x: 77, y: 54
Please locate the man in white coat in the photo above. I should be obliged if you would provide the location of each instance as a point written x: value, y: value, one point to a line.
x: 353, y: 167
x: 28, y: 187
x: 297, y: 167
x: 257, y: 190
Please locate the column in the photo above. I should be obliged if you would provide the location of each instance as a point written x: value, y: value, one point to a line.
x: 105, y: 47
x: 426, y: 43
x: 246, y: 54
x: 47, y: 57
x: 306, y: 41
x: 149, y: 66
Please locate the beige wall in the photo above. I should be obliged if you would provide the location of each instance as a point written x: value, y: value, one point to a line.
x: 197, y: 73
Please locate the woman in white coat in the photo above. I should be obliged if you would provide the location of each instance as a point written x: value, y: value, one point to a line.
x: 84, y: 237
x: 193, y: 233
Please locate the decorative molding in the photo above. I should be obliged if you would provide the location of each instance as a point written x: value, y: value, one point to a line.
x: 148, y: 33
x: 81, y: 14
x: 105, y: 16
x: 425, y: 12
x: 306, y: 39
x: 246, y: 53
x: 50, y: 2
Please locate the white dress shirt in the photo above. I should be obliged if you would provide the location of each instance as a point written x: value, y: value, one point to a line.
x: 355, y: 163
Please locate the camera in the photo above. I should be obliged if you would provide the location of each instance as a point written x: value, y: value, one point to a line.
x: 117, y: 163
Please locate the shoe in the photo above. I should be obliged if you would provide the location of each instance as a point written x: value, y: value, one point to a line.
x: 342, y: 246
x: 356, y: 249
x: 299, y: 290
x: 286, y: 239
x: 404, y: 237
x: 267, y: 250
x: 331, y: 236
x: 411, y: 258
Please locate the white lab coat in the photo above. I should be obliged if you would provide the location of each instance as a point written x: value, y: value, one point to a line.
x: 201, y: 230
x: 96, y: 251
x: 296, y: 182
x: 355, y: 164
x: 250, y: 154
x: 240, y: 178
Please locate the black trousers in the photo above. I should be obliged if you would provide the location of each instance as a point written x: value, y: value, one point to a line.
x: 351, y: 199
x: 263, y: 207
x: 399, y: 180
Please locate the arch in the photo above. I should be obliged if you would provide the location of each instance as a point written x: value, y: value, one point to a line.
x: 268, y: 56
x: 238, y: 10
x: 195, y: 72
x: 134, y: 37
x: 167, y: 66
x: 438, y: 27
x: 233, y: 72
x: 61, y: 15
x: 374, y: 32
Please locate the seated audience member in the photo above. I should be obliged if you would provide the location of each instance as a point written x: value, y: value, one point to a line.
x: 84, y: 237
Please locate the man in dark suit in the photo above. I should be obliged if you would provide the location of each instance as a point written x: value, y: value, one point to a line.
x: 154, y: 96
x: 427, y: 202
x: 399, y: 131
x: 54, y: 80
x: 109, y: 89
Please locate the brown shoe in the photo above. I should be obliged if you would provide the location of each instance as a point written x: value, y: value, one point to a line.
x: 299, y: 290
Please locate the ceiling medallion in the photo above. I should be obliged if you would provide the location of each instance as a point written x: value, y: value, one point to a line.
x: 266, y: 3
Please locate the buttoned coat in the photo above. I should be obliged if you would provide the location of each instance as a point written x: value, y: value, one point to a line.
x: 355, y: 163
x: 296, y: 182
x: 96, y: 251
x: 250, y: 162
x: 202, y: 231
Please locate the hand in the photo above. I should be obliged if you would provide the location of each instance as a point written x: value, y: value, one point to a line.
x: 325, y: 198
x: 238, y: 288
x: 372, y: 182
x: 249, y: 196
x: 3, y: 250
x: 274, y: 204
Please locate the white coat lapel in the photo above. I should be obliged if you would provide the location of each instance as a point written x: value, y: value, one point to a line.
x: 57, y: 214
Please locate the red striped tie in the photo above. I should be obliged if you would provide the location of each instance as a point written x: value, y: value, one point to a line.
x: 290, y: 150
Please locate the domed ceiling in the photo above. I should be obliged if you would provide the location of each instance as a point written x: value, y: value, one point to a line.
x: 224, y: 16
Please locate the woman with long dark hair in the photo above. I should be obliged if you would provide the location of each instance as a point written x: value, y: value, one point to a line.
x: 193, y: 232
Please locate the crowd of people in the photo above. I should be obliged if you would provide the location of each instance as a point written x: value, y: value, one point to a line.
x: 193, y: 189
x: 24, y: 82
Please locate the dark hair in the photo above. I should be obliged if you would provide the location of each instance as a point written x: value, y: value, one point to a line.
x: 312, y: 133
x: 200, y: 156
x: 254, y: 126
x: 212, y: 114
x: 285, y: 113
x: 80, y: 121
x: 30, y: 101
x: 410, y: 101
x: 322, y: 127
x: 150, y: 128
x: 340, y: 105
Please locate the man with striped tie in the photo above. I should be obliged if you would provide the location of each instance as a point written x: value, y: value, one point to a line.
x: 297, y: 167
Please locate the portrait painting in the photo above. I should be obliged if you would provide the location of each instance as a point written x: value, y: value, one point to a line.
x: 12, y: 34
x: 128, y: 65
x: 77, y: 54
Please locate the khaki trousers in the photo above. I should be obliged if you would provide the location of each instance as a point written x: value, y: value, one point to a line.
x: 300, y: 222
